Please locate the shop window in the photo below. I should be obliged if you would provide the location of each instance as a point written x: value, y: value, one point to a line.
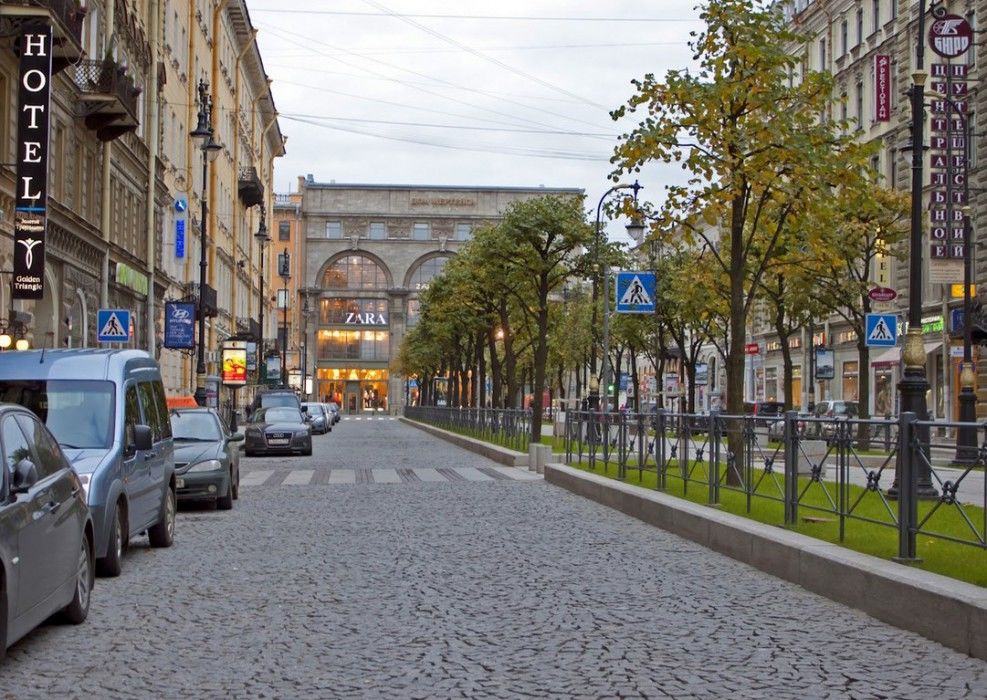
x: 771, y: 383
x: 850, y: 381
x: 424, y: 273
x: 355, y: 272
x: 365, y: 345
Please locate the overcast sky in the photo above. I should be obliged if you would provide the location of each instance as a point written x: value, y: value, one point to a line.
x: 470, y: 93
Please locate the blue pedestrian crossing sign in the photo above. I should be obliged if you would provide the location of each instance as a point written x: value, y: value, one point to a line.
x: 113, y: 325
x: 636, y: 292
x: 881, y: 330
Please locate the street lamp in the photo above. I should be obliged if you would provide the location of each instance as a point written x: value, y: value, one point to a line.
x: 262, y: 240
x: 602, y: 259
x: 202, y: 136
x: 284, y: 270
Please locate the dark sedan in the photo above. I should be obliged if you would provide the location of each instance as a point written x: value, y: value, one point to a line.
x: 318, y: 418
x: 278, y: 430
x: 46, y: 532
x: 207, y: 457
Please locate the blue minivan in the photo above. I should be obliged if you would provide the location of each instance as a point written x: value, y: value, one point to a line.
x: 107, y: 410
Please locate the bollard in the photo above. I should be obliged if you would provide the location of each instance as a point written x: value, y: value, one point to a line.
x: 533, y: 456
x: 544, y: 455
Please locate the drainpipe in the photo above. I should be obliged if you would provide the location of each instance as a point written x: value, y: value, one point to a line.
x: 235, y: 281
x: 154, y: 27
x: 105, y: 200
x: 217, y: 11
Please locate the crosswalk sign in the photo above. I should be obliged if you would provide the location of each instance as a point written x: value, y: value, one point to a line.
x: 113, y: 325
x: 881, y: 330
x: 636, y: 292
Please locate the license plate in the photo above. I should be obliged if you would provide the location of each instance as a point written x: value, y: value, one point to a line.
x: 278, y: 441
x: 180, y: 483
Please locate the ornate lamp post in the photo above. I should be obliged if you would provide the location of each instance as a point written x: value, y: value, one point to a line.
x: 262, y: 240
x: 602, y: 260
x: 284, y: 270
x: 210, y: 149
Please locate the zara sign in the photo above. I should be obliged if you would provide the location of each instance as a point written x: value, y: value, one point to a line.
x: 31, y: 204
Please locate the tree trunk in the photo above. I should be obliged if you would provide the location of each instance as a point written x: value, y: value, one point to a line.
x: 738, y: 330
x: 540, y: 360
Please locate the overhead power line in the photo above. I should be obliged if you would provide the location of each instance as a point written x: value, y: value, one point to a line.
x: 512, y: 18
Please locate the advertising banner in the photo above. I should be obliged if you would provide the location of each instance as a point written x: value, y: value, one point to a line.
x: 31, y: 203
x: 825, y: 364
x: 234, y: 362
x: 179, y: 329
x: 702, y: 374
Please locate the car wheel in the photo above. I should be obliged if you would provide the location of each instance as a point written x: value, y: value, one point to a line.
x: 162, y: 534
x: 308, y: 450
x: 225, y: 502
x: 236, y: 486
x: 110, y: 565
x: 77, y: 611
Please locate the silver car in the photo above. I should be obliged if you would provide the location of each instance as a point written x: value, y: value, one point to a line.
x: 46, y: 531
x: 318, y: 417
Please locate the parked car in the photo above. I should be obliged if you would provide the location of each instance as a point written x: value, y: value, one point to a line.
x: 333, y: 409
x: 106, y: 409
x: 207, y: 457
x: 318, y: 418
x: 282, y: 396
x: 766, y: 411
x: 832, y: 410
x: 776, y: 430
x: 278, y: 430
x: 46, y: 532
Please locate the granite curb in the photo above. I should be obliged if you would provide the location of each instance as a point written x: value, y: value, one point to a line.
x: 951, y: 612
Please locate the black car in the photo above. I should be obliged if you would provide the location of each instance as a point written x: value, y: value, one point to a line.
x: 46, y: 531
x: 278, y: 430
x: 266, y: 398
x: 207, y: 457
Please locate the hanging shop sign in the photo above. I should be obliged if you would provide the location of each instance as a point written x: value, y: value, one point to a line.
x: 882, y: 87
x: 179, y: 331
x: 950, y: 36
x: 31, y: 203
x: 948, y: 172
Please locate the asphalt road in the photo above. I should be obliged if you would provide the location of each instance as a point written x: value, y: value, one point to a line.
x: 423, y: 571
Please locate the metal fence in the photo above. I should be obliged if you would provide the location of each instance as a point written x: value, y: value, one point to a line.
x: 891, y: 473
x: 510, y: 427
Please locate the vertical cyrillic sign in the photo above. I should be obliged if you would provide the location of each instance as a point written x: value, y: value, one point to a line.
x: 882, y: 88
x: 31, y: 203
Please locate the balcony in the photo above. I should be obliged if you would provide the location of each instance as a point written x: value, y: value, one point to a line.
x: 249, y: 187
x: 108, y: 98
x: 64, y: 16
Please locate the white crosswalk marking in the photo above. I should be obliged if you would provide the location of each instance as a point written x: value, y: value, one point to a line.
x: 255, y: 478
x: 305, y: 477
x: 342, y: 476
x: 298, y: 477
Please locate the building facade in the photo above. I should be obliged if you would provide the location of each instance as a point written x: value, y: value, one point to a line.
x: 367, y: 253
x: 123, y: 171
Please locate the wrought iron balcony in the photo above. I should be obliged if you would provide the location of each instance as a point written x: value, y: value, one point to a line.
x: 64, y: 16
x: 108, y: 98
x: 250, y: 188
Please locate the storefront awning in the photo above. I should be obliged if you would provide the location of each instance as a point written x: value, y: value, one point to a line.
x: 933, y: 346
x: 886, y: 358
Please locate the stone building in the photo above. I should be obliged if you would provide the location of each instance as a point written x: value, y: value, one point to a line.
x: 367, y: 252
x: 122, y: 168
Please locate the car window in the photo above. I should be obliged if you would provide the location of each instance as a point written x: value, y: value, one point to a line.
x: 15, y: 445
x: 145, y: 390
x: 195, y: 425
x: 131, y: 415
x: 78, y: 412
x: 279, y: 414
x: 48, y: 458
x: 162, y: 406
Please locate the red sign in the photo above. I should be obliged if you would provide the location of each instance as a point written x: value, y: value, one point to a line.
x: 752, y: 348
x: 950, y: 36
x: 882, y: 294
x: 882, y: 87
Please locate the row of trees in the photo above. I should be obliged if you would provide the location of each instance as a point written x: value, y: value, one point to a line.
x: 780, y: 213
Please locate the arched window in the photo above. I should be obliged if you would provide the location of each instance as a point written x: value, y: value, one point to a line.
x: 425, y: 272
x: 355, y: 272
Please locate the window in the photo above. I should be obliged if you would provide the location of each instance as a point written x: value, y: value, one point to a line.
x: 972, y: 135
x: 422, y: 232
x: 424, y: 273
x: 464, y: 232
x: 131, y: 416
x: 850, y: 381
x: 368, y: 345
x: 844, y: 37
x: 48, y: 458
x: 146, y: 393
x: 822, y: 54
x: 971, y: 55
x: 334, y: 230
x: 860, y: 26
x: 162, y: 406
x: 876, y: 10
x: 354, y: 272
x: 860, y: 104
x: 15, y: 445
x: 894, y: 9
x: 284, y: 230
x: 843, y: 107
x: 78, y: 412
x: 893, y: 169
x: 378, y: 231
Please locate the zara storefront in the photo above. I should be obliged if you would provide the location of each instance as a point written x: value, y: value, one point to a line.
x: 368, y: 252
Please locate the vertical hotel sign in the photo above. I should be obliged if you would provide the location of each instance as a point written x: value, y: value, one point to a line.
x: 31, y: 202
x: 882, y: 88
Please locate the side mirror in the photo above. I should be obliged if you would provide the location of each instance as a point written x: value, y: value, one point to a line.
x: 25, y: 476
x: 236, y: 437
x: 142, y: 437
x: 305, y: 409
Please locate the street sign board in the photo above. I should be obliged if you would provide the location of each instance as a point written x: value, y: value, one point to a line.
x: 636, y: 292
x: 752, y: 349
x: 956, y: 320
x: 882, y: 294
x: 881, y: 330
x: 113, y: 325
x: 825, y: 363
x: 179, y: 330
x: 950, y: 36
x: 234, y: 362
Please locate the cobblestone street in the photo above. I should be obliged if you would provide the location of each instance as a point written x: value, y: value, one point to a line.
x: 391, y: 585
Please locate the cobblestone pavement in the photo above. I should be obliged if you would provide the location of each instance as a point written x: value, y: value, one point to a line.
x: 416, y: 589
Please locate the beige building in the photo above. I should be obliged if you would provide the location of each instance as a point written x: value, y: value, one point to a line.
x: 367, y: 252
x: 123, y: 170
